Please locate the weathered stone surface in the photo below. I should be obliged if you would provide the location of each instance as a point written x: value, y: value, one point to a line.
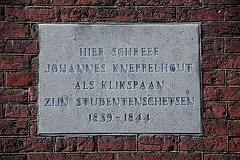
x: 119, y: 79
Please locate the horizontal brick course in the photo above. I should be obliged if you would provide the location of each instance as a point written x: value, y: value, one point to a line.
x: 215, y: 127
x: 233, y: 77
x: 214, y: 110
x: 234, y: 144
x: 221, y: 29
x: 23, y: 78
x: 221, y: 93
x: 74, y: 2
x: 92, y: 156
x: 201, y: 14
x: 156, y: 14
x: 76, y: 14
x: 32, y: 144
x: 33, y: 14
x: 8, y: 127
x: 220, y: 2
x: 220, y: 62
x: 232, y: 45
x: 212, y: 46
x: 20, y: 111
x: 156, y: 156
x: 15, y: 157
x: 234, y: 127
x: 13, y: 95
x: 10, y: 62
x: 157, y: 2
x: 213, y: 78
x: 221, y: 156
x: 71, y: 144
x: 117, y: 15
x: 14, y: 30
x: 116, y: 144
x: 157, y: 143
x: 232, y: 13
x: 22, y: 46
x: 233, y: 110
x: 209, y: 144
x: 15, y: 2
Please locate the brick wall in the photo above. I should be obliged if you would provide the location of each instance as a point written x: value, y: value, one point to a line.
x: 19, y: 51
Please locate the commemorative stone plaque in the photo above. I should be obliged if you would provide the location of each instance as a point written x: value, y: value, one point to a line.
x: 119, y: 79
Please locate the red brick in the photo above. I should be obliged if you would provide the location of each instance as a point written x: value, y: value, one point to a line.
x: 1, y: 147
x: 13, y: 127
x: 15, y: 157
x: 32, y: 144
x: 33, y: 94
x: 14, y: 62
x: 234, y: 110
x: 2, y: 13
x: 118, y: 15
x: 221, y: 156
x: 93, y: 156
x: 20, y: 111
x: 75, y: 2
x: 34, y: 31
x: 14, y: 30
x: 221, y: 94
x: 201, y: 14
x: 234, y: 144
x: 212, y: 78
x: 1, y: 78
x: 23, y: 78
x: 215, y: 127
x: 71, y: 144
x: 76, y: 14
x: 233, y: 77
x: 34, y: 63
x: 234, y: 127
x: 221, y: 62
x: 212, y: 144
x: 214, y: 110
x: 221, y: 29
x: 2, y: 43
x: 95, y: 2
x: 157, y: 143
x: 220, y: 2
x: 13, y: 95
x: 116, y: 144
x: 15, y: 2
x: 157, y: 2
x: 156, y: 14
x: 158, y: 156
x: 34, y: 14
x: 232, y: 13
x: 212, y: 46
x: 51, y: 157
x: 1, y: 111
x: 33, y: 128
x: 21, y: 46
x: 90, y: 156
x: 232, y: 45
